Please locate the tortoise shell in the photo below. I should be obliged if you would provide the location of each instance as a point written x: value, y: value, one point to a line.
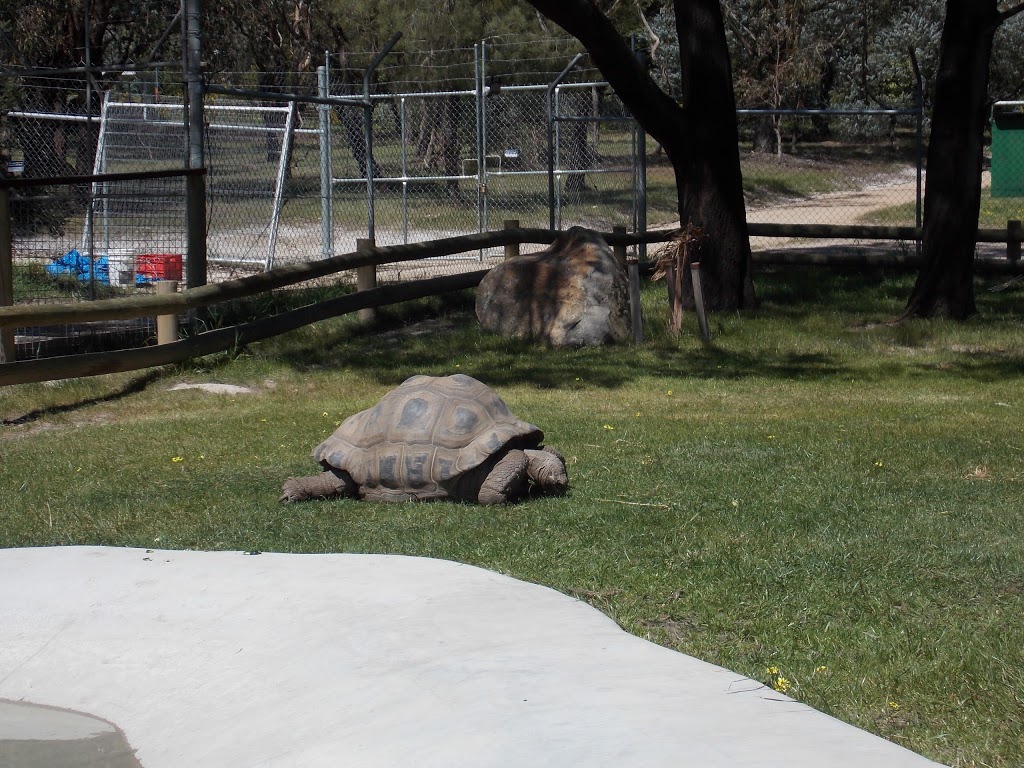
x: 423, y: 435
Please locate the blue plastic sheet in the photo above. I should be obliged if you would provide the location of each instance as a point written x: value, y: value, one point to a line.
x: 75, y: 264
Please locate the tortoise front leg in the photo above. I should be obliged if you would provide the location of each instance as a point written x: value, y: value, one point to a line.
x: 506, y: 481
x: 328, y: 484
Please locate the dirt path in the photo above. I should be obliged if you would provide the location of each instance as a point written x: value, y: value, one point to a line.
x: 847, y: 207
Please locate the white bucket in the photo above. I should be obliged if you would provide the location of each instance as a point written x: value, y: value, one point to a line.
x: 122, y: 267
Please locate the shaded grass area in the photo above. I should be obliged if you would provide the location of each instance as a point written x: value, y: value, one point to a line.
x: 817, y: 492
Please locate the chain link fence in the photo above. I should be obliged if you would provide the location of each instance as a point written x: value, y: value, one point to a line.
x: 308, y: 163
x: 831, y: 167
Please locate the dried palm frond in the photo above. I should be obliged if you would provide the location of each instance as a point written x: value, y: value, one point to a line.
x: 678, y: 251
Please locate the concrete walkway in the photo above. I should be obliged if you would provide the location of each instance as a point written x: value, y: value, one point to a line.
x: 225, y: 659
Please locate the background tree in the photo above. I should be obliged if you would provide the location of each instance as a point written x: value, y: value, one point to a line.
x: 698, y: 133
x: 52, y: 34
x: 960, y: 113
x: 776, y: 64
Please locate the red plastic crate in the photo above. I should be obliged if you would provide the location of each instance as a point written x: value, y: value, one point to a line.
x: 157, y: 266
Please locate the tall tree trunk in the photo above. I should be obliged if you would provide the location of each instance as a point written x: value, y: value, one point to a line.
x: 945, y: 285
x: 708, y: 175
x: 700, y: 137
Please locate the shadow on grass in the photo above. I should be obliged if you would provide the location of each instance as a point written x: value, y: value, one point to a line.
x: 843, y: 310
x: 137, y: 384
x: 441, y: 336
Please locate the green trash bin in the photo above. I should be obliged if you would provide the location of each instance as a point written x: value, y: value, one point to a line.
x: 1008, y: 149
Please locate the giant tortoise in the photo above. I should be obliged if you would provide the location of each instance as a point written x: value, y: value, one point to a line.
x: 434, y: 438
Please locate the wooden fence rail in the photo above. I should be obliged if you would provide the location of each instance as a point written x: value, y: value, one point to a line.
x: 223, y: 339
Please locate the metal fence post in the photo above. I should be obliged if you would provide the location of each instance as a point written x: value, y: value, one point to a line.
x: 368, y: 130
x: 196, y: 184
x: 1013, y: 237
x: 282, y: 174
x: 326, y: 182
x: 7, y: 350
x: 552, y: 147
x: 482, y: 122
x: 195, y: 225
x: 481, y: 151
x: 366, y: 277
x: 919, y: 107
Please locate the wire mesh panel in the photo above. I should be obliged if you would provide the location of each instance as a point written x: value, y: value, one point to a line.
x: 834, y: 167
x: 245, y: 152
x: 105, y: 238
x: 427, y: 148
x: 517, y: 140
x: 45, y: 130
x: 595, y: 150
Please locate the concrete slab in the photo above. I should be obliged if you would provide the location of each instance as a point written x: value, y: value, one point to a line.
x: 225, y: 659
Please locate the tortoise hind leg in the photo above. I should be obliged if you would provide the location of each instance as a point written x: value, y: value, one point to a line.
x: 506, y: 481
x: 328, y: 484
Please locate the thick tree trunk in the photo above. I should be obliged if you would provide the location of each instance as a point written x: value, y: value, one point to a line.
x: 945, y: 285
x: 711, y: 183
x: 699, y: 137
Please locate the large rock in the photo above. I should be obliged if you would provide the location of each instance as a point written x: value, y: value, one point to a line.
x: 573, y: 294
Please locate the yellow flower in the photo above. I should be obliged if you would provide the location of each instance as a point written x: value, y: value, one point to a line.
x: 773, y: 670
x: 176, y: 459
x: 608, y: 426
x: 670, y: 392
x: 822, y: 668
x: 325, y: 414
x: 894, y: 705
x: 879, y: 464
x: 781, y: 684
x: 771, y: 437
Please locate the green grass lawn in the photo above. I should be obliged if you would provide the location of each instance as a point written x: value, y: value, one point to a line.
x: 819, y: 500
x: 993, y: 214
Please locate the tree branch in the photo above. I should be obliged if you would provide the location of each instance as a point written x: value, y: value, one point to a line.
x: 1010, y: 12
x: 620, y: 66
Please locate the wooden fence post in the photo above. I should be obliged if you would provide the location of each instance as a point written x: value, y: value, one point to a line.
x: 166, y: 325
x: 619, y: 250
x: 7, y: 351
x: 511, y: 249
x: 633, y: 268
x: 366, y: 277
x: 698, y: 301
x: 1013, y: 235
